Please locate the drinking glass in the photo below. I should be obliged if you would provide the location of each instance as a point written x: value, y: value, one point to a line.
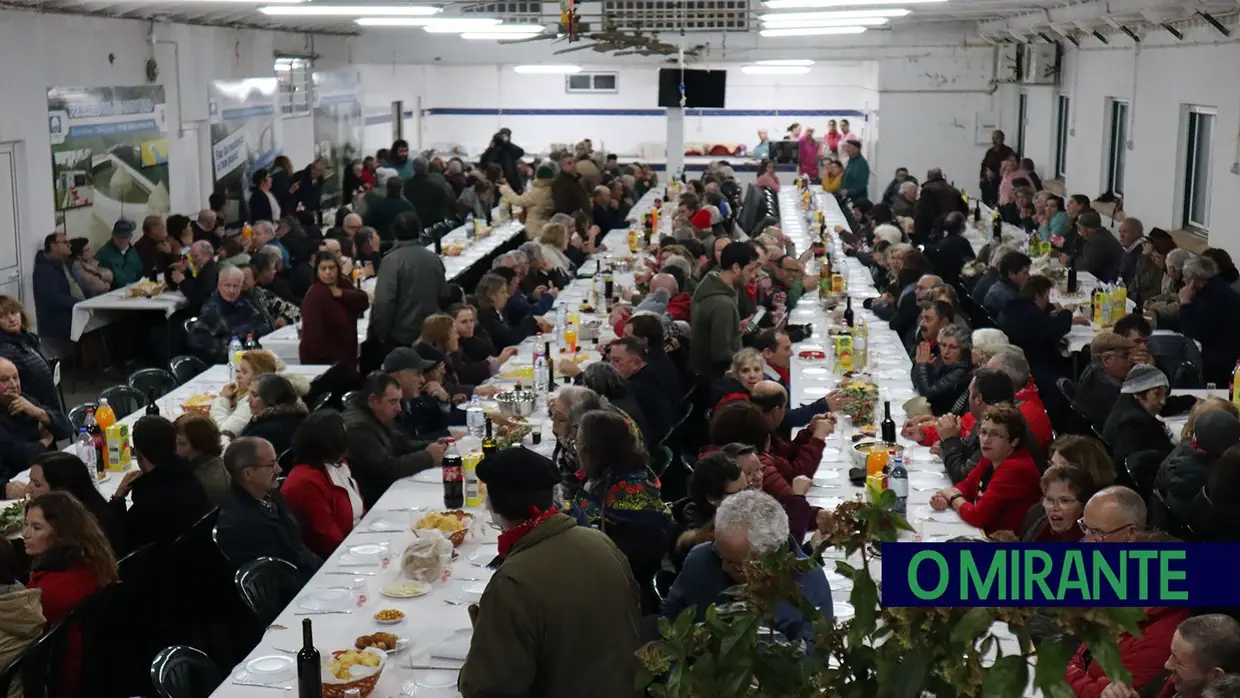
x: 570, y: 336
x: 1210, y: 387
x: 843, y: 430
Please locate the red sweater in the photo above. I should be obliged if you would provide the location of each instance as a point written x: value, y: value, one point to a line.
x: 64, y: 590
x: 1030, y: 405
x: 321, y: 506
x: 1004, y: 503
x: 329, y: 324
x: 1142, y: 656
x: 800, y: 457
x: 678, y: 306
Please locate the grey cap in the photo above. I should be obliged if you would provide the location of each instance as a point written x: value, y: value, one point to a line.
x: 123, y: 227
x: 404, y: 359
x: 1142, y: 378
x: 1216, y: 431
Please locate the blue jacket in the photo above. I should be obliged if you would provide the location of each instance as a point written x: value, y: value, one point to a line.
x: 53, y: 299
x: 702, y: 581
x: 220, y: 321
x: 520, y: 306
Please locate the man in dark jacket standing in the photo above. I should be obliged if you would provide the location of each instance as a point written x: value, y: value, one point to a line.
x: 167, y: 498
x: 256, y: 522
x: 55, y: 290
x: 382, y: 214
x: 628, y: 356
x: 429, y: 198
x: 1208, y: 308
x: 937, y: 199
x: 309, y: 189
x: 568, y: 194
x: 507, y: 155
x: 991, y: 166
x: 379, y: 452
x: 716, y: 322
x: 407, y: 290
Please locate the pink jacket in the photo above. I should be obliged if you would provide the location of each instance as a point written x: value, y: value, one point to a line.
x: 1006, y: 190
x: 807, y: 160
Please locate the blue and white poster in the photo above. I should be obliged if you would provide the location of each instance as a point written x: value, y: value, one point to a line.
x: 243, y: 134
x: 337, y: 129
x: 109, y: 156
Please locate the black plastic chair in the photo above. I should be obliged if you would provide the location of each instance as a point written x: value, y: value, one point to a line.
x: 185, y: 367
x: 319, y: 402
x: 77, y: 415
x: 153, y: 382
x: 184, y: 672
x: 123, y: 399
x: 267, y: 585
x: 349, y: 397
x: 286, y: 461
x: 1141, y: 468
x: 189, y: 323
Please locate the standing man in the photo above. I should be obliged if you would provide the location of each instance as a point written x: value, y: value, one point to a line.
x: 716, y: 321
x: 503, y: 152
x: 992, y: 163
x: 408, y: 287
x: 856, y: 181
x: 307, y: 189
x: 763, y: 148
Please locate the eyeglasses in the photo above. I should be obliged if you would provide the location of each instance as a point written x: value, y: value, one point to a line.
x: 1064, y: 503
x: 952, y: 347
x: 272, y: 464
x: 1095, y: 533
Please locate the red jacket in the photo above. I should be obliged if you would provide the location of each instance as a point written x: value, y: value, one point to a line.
x: 329, y: 324
x: 321, y: 506
x: 1030, y: 405
x: 64, y: 590
x: 678, y: 306
x: 1003, y: 504
x: 1142, y: 656
x: 800, y: 457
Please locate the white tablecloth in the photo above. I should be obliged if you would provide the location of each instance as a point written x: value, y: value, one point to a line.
x: 93, y: 313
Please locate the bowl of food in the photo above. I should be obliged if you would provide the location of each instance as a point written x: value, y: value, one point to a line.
x: 348, y: 669
x: 452, y: 524
x: 198, y: 404
x: 862, y: 449
x: 145, y: 289
x: 589, y: 330
x: 516, y: 403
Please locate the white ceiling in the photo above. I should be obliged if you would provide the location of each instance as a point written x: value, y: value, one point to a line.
x: 974, y: 13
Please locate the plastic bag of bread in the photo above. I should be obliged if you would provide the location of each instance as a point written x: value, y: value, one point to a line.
x: 428, y: 558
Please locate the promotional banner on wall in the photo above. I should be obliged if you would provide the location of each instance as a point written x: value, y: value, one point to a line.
x: 243, y: 135
x: 109, y: 156
x: 337, y: 129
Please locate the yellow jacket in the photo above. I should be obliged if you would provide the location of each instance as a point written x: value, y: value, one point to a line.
x: 831, y: 184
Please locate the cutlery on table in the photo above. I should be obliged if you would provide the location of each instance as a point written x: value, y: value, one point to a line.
x: 450, y: 602
x: 434, y: 667
x: 354, y: 574
x: 320, y: 613
x: 276, y: 686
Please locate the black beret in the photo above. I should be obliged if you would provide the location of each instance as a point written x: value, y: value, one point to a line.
x: 518, y: 470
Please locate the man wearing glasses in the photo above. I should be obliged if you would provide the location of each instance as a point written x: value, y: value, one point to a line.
x: 55, y: 290
x: 1113, y: 515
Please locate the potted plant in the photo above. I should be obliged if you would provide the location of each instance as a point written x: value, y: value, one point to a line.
x: 880, y: 652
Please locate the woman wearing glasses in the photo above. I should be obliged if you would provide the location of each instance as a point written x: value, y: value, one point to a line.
x: 1065, y: 489
x: 998, y: 493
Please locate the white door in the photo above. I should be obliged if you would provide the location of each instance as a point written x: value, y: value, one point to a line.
x: 10, y: 256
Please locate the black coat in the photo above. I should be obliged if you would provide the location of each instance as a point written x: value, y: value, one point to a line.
x: 430, y: 200
x: 247, y: 530
x: 167, y: 502
x: 34, y: 368
x: 652, y: 396
x: 1220, y: 341
x: 941, y: 384
x: 1129, y: 429
x: 937, y: 199
x: 501, y: 333
x: 197, y: 289
x: 309, y: 192
x: 506, y: 155
x: 260, y: 206
x: 277, y: 426
x: 949, y: 256
x: 19, y: 437
x: 1038, y: 332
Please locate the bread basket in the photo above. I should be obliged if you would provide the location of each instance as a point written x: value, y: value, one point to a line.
x: 457, y: 537
x: 198, y: 404
x: 335, y: 688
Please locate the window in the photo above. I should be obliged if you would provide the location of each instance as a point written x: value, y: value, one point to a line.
x: 1062, y: 125
x: 1022, y: 110
x: 591, y: 82
x: 1198, y: 139
x: 1117, y: 147
x: 294, y: 75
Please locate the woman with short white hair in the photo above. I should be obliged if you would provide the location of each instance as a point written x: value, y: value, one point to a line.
x: 985, y: 341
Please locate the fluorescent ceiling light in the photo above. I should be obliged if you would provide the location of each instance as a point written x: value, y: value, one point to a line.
x: 812, y: 31
x: 787, y: 61
x: 795, y: 4
x: 453, y: 26
x: 349, y: 10
x: 495, y: 36
x: 547, y: 69
x: 775, y: 69
x: 833, y: 14
x: 858, y: 22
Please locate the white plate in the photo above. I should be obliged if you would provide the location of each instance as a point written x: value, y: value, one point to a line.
x: 825, y: 502
x: 925, y: 513
x: 387, y: 526
x: 388, y: 622
x: 830, y: 455
x: 474, y: 590
x: 336, y: 599
x: 274, y: 667
x: 437, y: 679
x: 815, y: 391
x: 405, y: 589
x: 484, y: 555
x: 926, y: 480
x: 370, y: 551
x: 842, y: 609
x: 920, y: 453
x: 815, y: 370
x: 826, y: 476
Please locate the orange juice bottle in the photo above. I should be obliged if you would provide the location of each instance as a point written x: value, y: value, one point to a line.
x: 104, y: 415
x: 247, y: 232
x: 875, y: 461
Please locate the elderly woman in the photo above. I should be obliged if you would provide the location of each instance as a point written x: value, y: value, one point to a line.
x: 1133, y: 423
x: 276, y: 409
x: 941, y: 379
x: 620, y: 495
x: 199, y: 443
x: 998, y: 493
x: 539, y: 274
x: 492, y: 296
x: 1166, y: 305
x: 1212, y: 428
x: 985, y: 341
x: 567, y: 409
x: 554, y: 239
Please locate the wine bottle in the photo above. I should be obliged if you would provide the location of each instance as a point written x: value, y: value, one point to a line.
x: 889, y: 425
x: 848, y: 313
x: 550, y: 368
x: 309, y: 665
x: 488, y: 442
x: 997, y: 228
x: 1072, y: 284
x: 977, y: 213
x: 152, y: 410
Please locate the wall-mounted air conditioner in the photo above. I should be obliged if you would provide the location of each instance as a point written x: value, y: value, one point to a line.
x: 1042, y: 64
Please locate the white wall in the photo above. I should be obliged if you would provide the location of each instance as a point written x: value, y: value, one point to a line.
x: 465, y: 104
x: 1158, y: 80
x: 48, y: 50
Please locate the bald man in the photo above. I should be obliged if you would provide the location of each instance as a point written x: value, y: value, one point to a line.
x: 908, y: 312
x: 805, y: 451
x: 27, y: 429
x: 1113, y: 515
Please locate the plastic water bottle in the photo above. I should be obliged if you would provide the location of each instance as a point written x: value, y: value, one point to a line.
x: 898, y: 479
x: 85, y: 446
x: 540, y: 374
x: 561, y: 319
x: 235, y: 349
x: 475, y: 417
x: 470, y: 233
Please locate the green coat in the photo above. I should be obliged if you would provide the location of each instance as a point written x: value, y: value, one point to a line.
x: 558, y: 620
x: 716, y: 327
x: 856, y: 179
x: 126, y: 268
x: 381, y: 214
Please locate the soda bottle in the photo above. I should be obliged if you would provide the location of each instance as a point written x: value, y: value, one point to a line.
x: 98, y: 443
x: 453, y: 478
x: 104, y: 416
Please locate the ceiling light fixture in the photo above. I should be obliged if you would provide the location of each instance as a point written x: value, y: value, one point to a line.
x: 836, y: 14
x: 314, y: 10
x: 775, y: 69
x: 546, y: 69
x: 786, y: 61
x: 857, y: 22
x: 457, y: 25
x: 811, y: 31
x: 798, y: 4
